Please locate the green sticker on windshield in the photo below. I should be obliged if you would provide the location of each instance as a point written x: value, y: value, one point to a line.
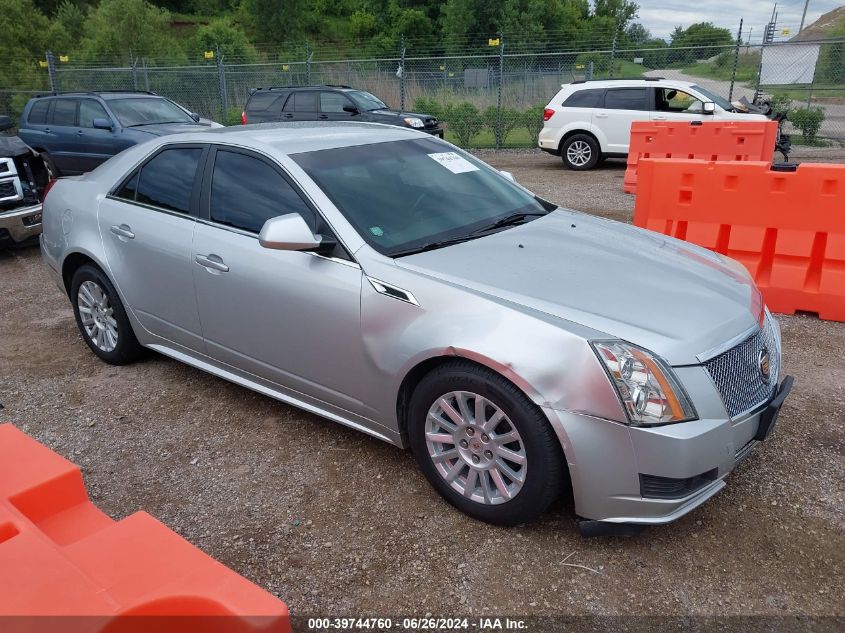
x: 376, y: 230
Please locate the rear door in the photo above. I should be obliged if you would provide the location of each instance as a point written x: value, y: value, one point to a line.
x: 61, y: 140
x: 622, y: 106
x: 94, y: 145
x: 301, y: 106
x: 147, y: 227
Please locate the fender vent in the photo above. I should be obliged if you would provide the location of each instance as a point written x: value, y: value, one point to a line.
x: 393, y: 291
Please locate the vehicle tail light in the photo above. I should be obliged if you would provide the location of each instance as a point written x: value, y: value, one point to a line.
x: 548, y: 113
x: 47, y: 188
x: 243, y: 117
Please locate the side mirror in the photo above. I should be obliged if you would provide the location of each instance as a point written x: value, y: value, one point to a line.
x: 102, y: 124
x: 291, y: 233
x: 508, y: 175
x: 351, y: 109
x: 195, y: 117
x: 709, y: 107
x: 6, y: 123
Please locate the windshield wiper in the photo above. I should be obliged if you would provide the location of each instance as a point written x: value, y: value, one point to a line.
x: 433, y: 245
x: 509, y: 220
x: 158, y: 123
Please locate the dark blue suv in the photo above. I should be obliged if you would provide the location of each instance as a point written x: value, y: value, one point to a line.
x: 77, y: 131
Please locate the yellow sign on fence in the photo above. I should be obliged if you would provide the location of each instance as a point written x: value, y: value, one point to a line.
x: 42, y: 63
x: 64, y: 58
x: 208, y: 54
x: 285, y: 67
x: 493, y: 42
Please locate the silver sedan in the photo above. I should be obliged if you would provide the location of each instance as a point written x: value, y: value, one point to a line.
x: 388, y: 281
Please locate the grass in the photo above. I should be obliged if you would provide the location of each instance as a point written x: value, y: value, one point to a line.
x: 799, y: 92
x: 518, y: 138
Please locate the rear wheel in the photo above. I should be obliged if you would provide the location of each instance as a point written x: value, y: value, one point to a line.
x: 101, y: 318
x: 50, y: 166
x: 580, y: 152
x: 483, y: 445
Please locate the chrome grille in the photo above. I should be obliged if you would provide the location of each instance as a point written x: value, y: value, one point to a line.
x: 736, y: 372
x: 10, y: 185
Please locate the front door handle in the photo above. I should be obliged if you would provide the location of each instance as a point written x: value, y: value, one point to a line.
x: 659, y: 118
x: 324, y: 117
x: 212, y: 263
x: 123, y: 232
x: 599, y: 115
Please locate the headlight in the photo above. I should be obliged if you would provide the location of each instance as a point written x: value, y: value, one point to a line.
x: 413, y: 121
x: 646, y: 385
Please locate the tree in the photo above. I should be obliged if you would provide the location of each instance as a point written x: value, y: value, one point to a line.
x: 231, y: 41
x: 117, y: 27
x: 699, y: 41
x: 622, y: 11
x: 637, y: 34
x: 275, y: 20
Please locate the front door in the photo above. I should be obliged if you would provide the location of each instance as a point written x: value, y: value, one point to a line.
x: 95, y: 146
x: 292, y: 318
x: 332, y: 104
x: 671, y: 104
x: 147, y: 227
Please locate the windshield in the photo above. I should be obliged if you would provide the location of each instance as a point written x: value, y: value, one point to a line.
x: 720, y: 101
x: 407, y: 195
x: 147, y: 111
x: 366, y: 101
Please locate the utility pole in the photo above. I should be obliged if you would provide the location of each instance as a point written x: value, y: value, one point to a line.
x: 736, y: 61
x: 804, y: 15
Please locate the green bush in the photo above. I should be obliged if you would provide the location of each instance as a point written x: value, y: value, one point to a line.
x: 601, y: 62
x: 511, y: 119
x: 464, y: 121
x: 427, y: 105
x: 808, y: 120
x: 532, y: 120
x: 781, y: 103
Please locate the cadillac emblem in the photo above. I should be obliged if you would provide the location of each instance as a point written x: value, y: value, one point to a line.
x: 764, y: 365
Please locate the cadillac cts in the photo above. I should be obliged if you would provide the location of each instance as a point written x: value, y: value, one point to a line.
x: 388, y: 281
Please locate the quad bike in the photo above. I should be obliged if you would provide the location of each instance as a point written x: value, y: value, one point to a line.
x: 24, y: 181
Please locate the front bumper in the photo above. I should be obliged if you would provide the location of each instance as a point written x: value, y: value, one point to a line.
x: 21, y: 224
x: 653, y: 475
x: 434, y: 131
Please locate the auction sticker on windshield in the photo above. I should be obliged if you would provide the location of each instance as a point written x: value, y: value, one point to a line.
x: 453, y: 162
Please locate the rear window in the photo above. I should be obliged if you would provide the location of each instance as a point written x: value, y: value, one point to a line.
x: 38, y: 113
x: 585, y: 99
x: 626, y: 99
x: 261, y: 101
x: 168, y: 178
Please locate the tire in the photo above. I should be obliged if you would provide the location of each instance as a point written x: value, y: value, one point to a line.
x: 580, y: 152
x: 480, y: 495
x: 109, y: 333
x: 52, y: 170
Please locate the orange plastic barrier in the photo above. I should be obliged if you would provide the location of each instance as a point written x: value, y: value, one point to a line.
x: 786, y: 227
x: 61, y: 558
x: 709, y: 140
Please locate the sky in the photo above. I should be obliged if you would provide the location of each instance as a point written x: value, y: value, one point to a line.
x: 661, y: 16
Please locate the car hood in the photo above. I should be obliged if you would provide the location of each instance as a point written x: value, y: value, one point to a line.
x: 163, y: 129
x: 671, y: 297
x: 425, y: 118
x: 11, y: 146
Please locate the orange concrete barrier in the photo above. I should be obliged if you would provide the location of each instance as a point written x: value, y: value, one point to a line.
x: 709, y: 140
x: 66, y: 562
x: 786, y: 227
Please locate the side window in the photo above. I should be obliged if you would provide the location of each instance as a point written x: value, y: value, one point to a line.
x: 130, y: 188
x: 585, y: 99
x: 262, y: 101
x: 90, y: 110
x: 38, y: 113
x: 64, y: 112
x: 302, y: 102
x: 672, y: 100
x: 626, y: 99
x: 246, y: 192
x: 333, y: 102
x: 167, y: 180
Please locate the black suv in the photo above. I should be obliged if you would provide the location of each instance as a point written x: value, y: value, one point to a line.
x: 329, y: 103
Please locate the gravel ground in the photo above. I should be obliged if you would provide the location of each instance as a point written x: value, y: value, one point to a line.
x: 334, y: 522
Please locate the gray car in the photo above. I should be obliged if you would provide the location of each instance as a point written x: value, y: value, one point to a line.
x: 387, y: 280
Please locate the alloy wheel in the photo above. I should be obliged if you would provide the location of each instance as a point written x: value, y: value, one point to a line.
x: 475, y: 447
x: 579, y: 153
x: 97, y: 316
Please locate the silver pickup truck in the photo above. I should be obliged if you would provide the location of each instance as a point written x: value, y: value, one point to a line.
x: 24, y: 180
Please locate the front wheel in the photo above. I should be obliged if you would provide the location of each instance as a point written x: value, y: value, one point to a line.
x: 101, y: 318
x: 483, y: 445
x: 580, y: 152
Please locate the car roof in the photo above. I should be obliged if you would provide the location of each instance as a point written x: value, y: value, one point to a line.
x: 299, y: 136
x: 622, y: 83
x: 104, y: 94
x: 339, y: 87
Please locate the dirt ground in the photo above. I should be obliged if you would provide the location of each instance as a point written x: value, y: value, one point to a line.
x: 337, y: 523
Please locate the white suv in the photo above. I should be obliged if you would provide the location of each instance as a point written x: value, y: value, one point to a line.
x: 588, y: 121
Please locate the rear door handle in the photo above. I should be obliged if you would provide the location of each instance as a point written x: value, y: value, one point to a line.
x: 599, y: 115
x: 324, y: 116
x: 123, y: 232
x: 659, y: 118
x: 212, y: 263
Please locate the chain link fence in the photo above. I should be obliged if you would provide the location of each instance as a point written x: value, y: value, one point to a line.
x: 492, y: 99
